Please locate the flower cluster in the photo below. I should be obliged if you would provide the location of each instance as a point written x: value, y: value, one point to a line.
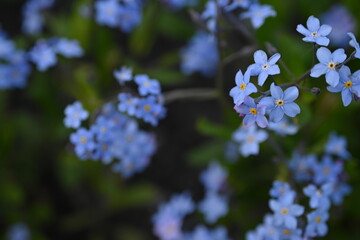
x: 148, y: 105
x: 43, y: 54
x: 33, y: 20
x: 178, y: 4
x: 169, y: 219
x: 112, y: 136
x: 119, y: 13
x: 14, y: 67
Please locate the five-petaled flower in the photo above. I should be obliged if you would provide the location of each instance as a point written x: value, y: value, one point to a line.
x: 243, y: 87
x: 264, y: 66
x: 253, y: 112
x: 314, y: 32
x: 328, y: 65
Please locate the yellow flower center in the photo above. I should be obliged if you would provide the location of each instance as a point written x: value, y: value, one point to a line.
x: 253, y: 111
x: 326, y: 170
x: 83, y: 139
x: 104, y: 147
x: 286, y: 232
x: 331, y: 65
x: 279, y: 102
x: 250, y: 139
x: 284, y: 211
x: 147, y: 107
x: 318, y: 219
x: 243, y: 86
x: 348, y: 84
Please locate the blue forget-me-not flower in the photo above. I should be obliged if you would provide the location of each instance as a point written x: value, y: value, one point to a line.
x: 75, y: 113
x: 243, y: 87
x: 263, y: 67
x: 281, y: 102
x: 314, y: 32
x: 328, y: 62
x: 317, y: 223
x: 258, y: 13
x: 249, y: 139
x: 348, y: 85
x: 253, y: 113
x: 354, y: 43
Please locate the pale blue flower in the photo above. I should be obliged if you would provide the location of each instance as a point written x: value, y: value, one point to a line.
x: 213, y: 206
x: 146, y: 85
x: 327, y: 170
x: 253, y: 113
x: 243, y: 87
x: 249, y: 139
x: 213, y: 177
x: 75, y: 113
x: 302, y: 166
x: 340, y: 190
x: 124, y: 74
x: 285, y: 211
x: 258, y: 13
x: 348, y: 85
x: 281, y: 102
x: 336, y: 145
x: 238, y: 4
x: 263, y: 67
x: 43, y: 55
x: 68, y: 48
x: 283, y: 127
x: 314, y: 32
x: 328, y: 62
x: 317, y: 223
x: 319, y: 198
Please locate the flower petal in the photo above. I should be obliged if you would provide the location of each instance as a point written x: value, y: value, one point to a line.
x: 239, y: 78
x: 273, y: 70
x: 291, y: 109
x: 346, y: 97
x: 276, y: 115
x: 301, y: 29
x: 276, y: 91
x: 262, y: 77
x: 249, y: 120
x: 291, y: 94
x: 332, y: 78
x: 261, y: 121
x: 313, y: 24
x: 274, y: 58
x: 339, y: 55
x: 324, y: 55
x: 324, y: 30
x: 318, y: 70
x: 260, y: 57
x: 323, y: 41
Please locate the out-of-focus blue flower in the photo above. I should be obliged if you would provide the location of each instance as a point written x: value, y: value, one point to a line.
x: 200, y: 55
x: 327, y: 65
x: 74, y: 114
x: 258, y: 13
x: 348, y: 85
x: 280, y: 189
x: 290, y: 234
x: 84, y: 142
x: 336, y: 145
x: 124, y: 74
x: 354, y: 43
x: 213, y: 177
x: 319, y: 198
x: 150, y: 110
x: 213, y: 206
x: 243, y: 87
x: 7, y: 46
x: 43, y: 55
x: 340, y: 190
x: 263, y: 67
x: 285, y: 211
x: 18, y: 231
x: 182, y: 204
x: 281, y: 102
x: 113, y: 13
x: 341, y: 21
x: 147, y: 85
x: 253, y: 113
x: 32, y: 19
x: 128, y: 103
x: 108, y: 12
x: 202, y: 233
x: 68, y: 48
x: 283, y: 127
x: 249, y: 139
x: 314, y: 32
x: 317, y: 223
x: 302, y: 166
x: 327, y: 170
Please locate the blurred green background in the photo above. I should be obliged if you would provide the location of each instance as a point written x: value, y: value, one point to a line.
x: 43, y: 184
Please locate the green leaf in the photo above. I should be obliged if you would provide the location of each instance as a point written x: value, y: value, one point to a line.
x: 202, y: 155
x: 208, y: 128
